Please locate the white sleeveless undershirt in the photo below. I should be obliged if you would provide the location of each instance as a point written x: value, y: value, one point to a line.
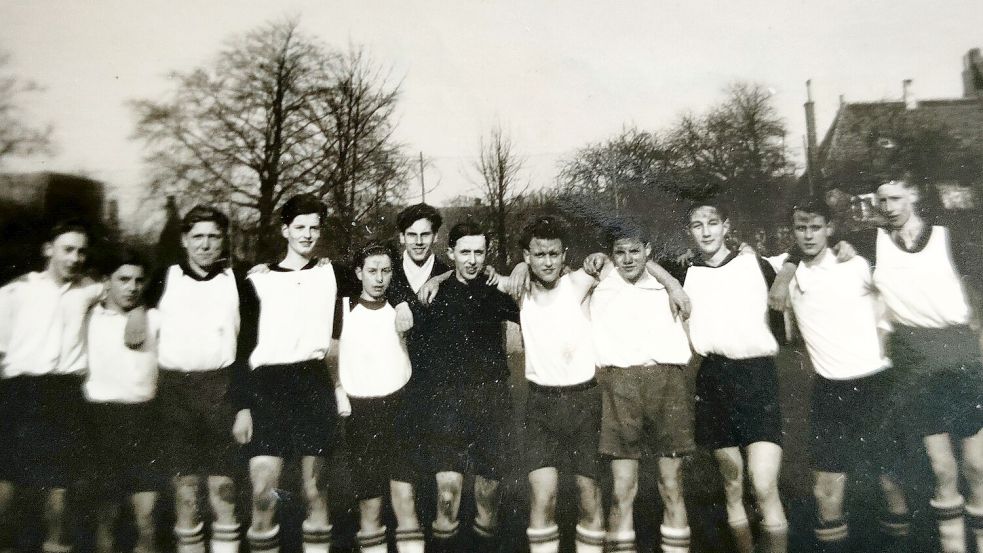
x: 557, y: 337
x: 199, y: 321
x: 730, y: 310
x: 372, y: 357
x: 296, y: 315
x: 921, y: 289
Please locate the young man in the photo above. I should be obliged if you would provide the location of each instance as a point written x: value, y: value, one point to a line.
x: 120, y: 388
x: 922, y: 272
x: 374, y: 368
x: 42, y: 361
x: 736, y: 386
x: 471, y: 414
x: 838, y: 314
x: 642, y: 353
x: 291, y: 406
x: 198, y: 303
x: 563, y: 408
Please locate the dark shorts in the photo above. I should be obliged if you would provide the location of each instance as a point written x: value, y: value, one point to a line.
x: 647, y: 410
x: 938, y: 381
x: 851, y: 424
x: 294, y: 410
x: 124, y: 452
x: 195, y: 421
x: 737, y: 402
x: 42, y: 430
x: 471, y: 426
x: 376, y: 445
x: 563, y: 425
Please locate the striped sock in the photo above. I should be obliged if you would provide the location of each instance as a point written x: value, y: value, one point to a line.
x: 740, y: 530
x: 483, y: 538
x: 620, y: 542
x: 544, y: 540
x: 190, y: 540
x: 372, y: 542
x: 589, y: 541
x: 225, y: 538
x: 409, y: 540
x: 55, y: 547
x: 832, y: 535
x: 774, y: 538
x: 674, y: 540
x: 317, y: 538
x: 974, y: 515
x: 267, y: 541
x: 444, y: 540
x: 952, y: 527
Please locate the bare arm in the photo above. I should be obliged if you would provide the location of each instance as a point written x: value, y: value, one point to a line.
x: 679, y: 302
x: 778, y: 294
x: 341, y: 398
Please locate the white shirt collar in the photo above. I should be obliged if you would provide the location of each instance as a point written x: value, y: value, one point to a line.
x: 805, y: 274
x: 417, y: 275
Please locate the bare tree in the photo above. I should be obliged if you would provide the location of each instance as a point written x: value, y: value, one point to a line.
x: 498, y: 168
x: 17, y: 137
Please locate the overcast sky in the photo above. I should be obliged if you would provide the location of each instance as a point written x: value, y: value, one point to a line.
x: 556, y: 75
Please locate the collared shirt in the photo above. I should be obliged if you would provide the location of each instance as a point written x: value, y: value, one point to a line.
x: 417, y: 275
x: 837, y: 312
x: 118, y: 374
x: 41, y: 325
x: 633, y: 325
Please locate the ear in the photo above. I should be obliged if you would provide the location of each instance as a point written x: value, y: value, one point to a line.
x: 831, y: 228
x: 450, y: 252
x: 726, y: 226
x: 402, y: 239
x: 284, y: 230
x: 47, y: 249
x: 358, y: 272
x: 525, y: 255
x: 916, y: 194
x: 648, y: 250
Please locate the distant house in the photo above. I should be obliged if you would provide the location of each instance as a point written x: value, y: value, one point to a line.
x: 963, y: 117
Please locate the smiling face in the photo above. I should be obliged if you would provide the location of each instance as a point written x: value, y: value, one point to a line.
x: 125, y: 287
x: 66, y: 255
x: 811, y: 231
x: 468, y: 255
x: 545, y: 258
x: 375, y: 273
x: 629, y: 256
x: 203, y: 243
x: 708, y: 229
x: 896, y: 201
x: 418, y: 240
x: 302, y: 234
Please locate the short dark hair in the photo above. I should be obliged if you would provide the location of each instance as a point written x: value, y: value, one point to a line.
x: 467, y: 228
x: 812, y: 206
x: 302, y: 204
x: 415, y: 212
x: 546, y: 227
x: 715, y: 204
x: 204, y: 214
x: 368, y: 251
x: 66, y: 226
x: 124, y: 255
x: 627, y: 229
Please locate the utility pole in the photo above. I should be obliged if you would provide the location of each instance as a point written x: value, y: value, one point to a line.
x: 423, y: 187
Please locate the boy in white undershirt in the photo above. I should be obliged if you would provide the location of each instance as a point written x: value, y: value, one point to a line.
x: 120, y: 388
x: 374, y: 368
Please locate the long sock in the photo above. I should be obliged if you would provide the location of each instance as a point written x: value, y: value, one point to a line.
x: 264, y: 541
x: 974, y: 515
x: 372, y: 542
x: 589, y: 541
x: 483, y: 538
x: 544, y: 540
x: 740, y: 529
x: 832, y: 536
x: 409, y: 540
x: 444, y: 540
x: 894, y: 530
x: 621, y: 542
x: 190, y: 540
x: 674, y: 540
x: 774, y: 538
x: 225, y: 538
x: 55, y: 547
x: 952, y: 527
x: 317, y: 538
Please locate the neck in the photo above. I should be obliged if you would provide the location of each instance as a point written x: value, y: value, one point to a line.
x: 911, y: 228
x: 420, y: 263
x: 198, y: 269
x: 294, y: 261
x: 115, y: 307
x: 60, y: 279
x: 718, y: 257
x: 816, y: 258
x: 367, y: 297
x: 539, y: 284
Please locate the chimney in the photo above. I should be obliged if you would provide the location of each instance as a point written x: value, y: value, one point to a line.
x: 908, y: 96
x: 973, y: 74
x: 811, y: 140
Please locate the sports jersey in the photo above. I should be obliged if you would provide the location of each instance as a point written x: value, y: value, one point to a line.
x: 117, y: 373
x: 730, y: 315
x: 372, y: 357
x: 41, y: 325
x: 633, y: 324
x: 556, y: 335
x: 837, y: 312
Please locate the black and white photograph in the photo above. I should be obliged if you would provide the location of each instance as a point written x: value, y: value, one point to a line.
x: 491, y: 276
